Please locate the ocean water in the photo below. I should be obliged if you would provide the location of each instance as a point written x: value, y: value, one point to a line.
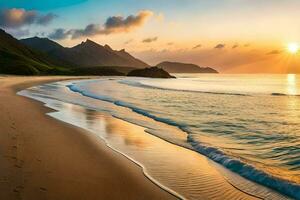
x: 249, y: 124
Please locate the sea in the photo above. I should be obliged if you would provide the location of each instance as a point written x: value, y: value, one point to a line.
x: 249, y: 124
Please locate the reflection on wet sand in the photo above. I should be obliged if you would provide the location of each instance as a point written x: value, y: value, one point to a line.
x: 123, y: 130
x: 112, y: 129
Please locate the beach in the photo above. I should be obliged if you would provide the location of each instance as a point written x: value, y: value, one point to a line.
x: 146, y: 100
x: 67, y: 145
x: 43, y: 158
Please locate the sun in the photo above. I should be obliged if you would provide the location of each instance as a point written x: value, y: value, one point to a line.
x: 293, y: 48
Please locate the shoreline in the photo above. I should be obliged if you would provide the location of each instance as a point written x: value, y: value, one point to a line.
x: 173, y: 192
x: 199, y: 150
x: 225, y: 184
x: 37, y: 164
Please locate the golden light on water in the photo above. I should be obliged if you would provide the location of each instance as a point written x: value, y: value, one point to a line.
x: 293, y: 48
x: 292, y: 84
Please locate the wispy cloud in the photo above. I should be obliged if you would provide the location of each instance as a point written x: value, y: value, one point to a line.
x: 45, y: 19
x: 219, y: 46
x: 16, y: 18
x: 160, y: 17
x: 19, y: 32
x: 274, y: 52
x: 121, y: 24
x: 114, y: 24
x: 58, y: 34
x: 128, y: 41
x: 197, y: 46
x: 148, y: 40
x: 235, y: 46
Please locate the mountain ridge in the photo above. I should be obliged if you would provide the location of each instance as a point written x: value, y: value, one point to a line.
x: 17, y: 58
x: 178, y: 67
x: 86, y: 54
x: 42, y: 56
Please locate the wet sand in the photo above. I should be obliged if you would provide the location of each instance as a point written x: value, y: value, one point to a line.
x: 43, y: 158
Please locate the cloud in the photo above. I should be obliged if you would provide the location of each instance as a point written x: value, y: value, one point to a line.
x: 121, y: 24
x: 46, y: 19
x: 89, y: 30
x: 148, y: 40
x: 19, y: 32
x: 246, y: 45
x: 59, y: 34
x: 274, y: 52
x: 114, y: 24
x: 40, y: 34
x: 170, y: 43
x: 16, y: 18
x: 128, y: 41
x: 219, y: 46
x: 197, y: 46
x: 160, y: 17
x: 235, y: 46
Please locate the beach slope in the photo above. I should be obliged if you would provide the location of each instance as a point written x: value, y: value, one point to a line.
x: 43, y: 158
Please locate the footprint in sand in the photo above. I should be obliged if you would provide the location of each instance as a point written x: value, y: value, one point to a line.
x: 20, y: 187
x: 16, y: 191
x: 43, y: 189
x: 14, y: 157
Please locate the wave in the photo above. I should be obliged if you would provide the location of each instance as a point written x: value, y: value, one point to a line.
x: 246, y: 170
x: 126, y: 105
x: 234, y: 164
x: 139, y: 84
x: 282, y: 94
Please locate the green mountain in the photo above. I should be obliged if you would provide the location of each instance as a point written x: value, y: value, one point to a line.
x: 49, y: 48
x: 16, y: 58
x: 19, y: 59
x: 42, y: 44
x: 41, y: 56
x: 86, y: 54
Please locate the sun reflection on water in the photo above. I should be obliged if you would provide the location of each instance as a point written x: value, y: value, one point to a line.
x: 292, y: 84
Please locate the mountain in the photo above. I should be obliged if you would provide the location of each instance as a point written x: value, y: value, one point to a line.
x: 16, y: 58
x: 86, y: 54
x: 19, y: 59
x: 48, y: 47
x: 41, y: 56
x: 42, y: 44
x: 151, y: 72
x: 176, y: 67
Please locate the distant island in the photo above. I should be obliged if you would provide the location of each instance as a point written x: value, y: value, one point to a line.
x: 152, y: 72
x: 177, y: 67
x: 42, y: 56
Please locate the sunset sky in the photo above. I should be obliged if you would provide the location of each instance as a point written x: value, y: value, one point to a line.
x: 234, y: 36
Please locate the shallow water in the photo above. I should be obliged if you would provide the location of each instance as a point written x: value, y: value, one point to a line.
x: 248, y: 123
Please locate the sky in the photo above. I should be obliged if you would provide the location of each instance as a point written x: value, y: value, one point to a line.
x: 233, y: 36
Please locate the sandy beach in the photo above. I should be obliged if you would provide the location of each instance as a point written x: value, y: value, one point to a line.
x: 42, y: 158
x: 44, y: 155
x: 149, y: 100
